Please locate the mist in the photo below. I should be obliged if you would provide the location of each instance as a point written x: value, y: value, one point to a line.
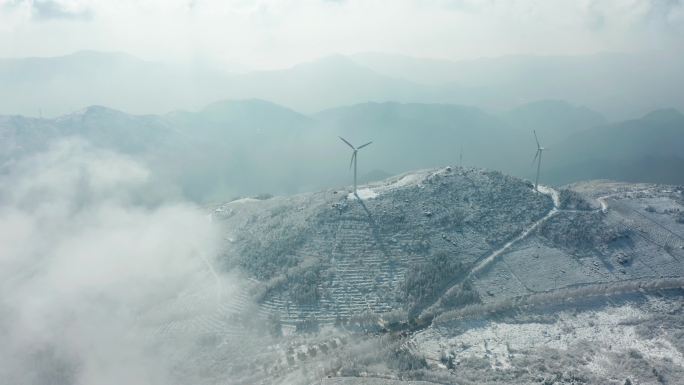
x: 269, y: 34
x: 89, y: 273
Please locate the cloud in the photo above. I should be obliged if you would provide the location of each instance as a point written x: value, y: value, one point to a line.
x: 45, y: 10
x: 84, y: 268
x: 270, y: 33
x: 55, y: 9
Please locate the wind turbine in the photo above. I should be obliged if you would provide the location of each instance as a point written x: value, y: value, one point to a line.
x: 537, y: 157
x: 353, y: 158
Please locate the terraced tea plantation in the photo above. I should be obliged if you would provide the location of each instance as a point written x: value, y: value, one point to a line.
x: 328, y: 256
x: 449, y: 276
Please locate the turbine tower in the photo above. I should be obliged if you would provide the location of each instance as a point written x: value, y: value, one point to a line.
x: 353, y: 158
x: 537, y: 157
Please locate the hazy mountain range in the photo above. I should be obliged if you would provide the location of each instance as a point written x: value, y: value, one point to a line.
x: 236, y: 148
x: 99, y: 233
x: 649, y: 149
x: 617, y: 85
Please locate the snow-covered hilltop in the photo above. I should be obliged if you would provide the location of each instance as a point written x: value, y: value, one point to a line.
x: 329, y: 256
x: 448, y: 274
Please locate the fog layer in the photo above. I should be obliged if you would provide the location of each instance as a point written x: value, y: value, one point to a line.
x: 83, y: 266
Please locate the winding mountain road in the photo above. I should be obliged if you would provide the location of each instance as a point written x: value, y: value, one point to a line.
x: 491, y: 257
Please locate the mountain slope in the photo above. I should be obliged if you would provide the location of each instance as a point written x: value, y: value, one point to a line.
x: 554, y: 120
x: 612, y: 83
x: 230, y: 118
x: 58, y: 85
x: 649, y: 149
x: 249, y: 147
x: 340, y: 284
x: 423, y: 135
x: 237, y: 147
x: 217, y: 151
x: 329, y: 256
x: 101, y: 126
x: 331, y: 82
x: 52, y: 86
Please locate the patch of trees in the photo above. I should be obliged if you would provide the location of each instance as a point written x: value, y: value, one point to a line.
x: 680, y: 217
x: 304, y: 288
x: 274, y: 251
x: 579, y: 231
x: 451, y: 219
x: 275, y: 325
x: 364, y: 322
x: 559, y: 296
x: 309, y: 325
x: 403, y: 359
x: 672, y: 321
x: 301, y: 281
x: 464, y: 294
x: 572, y: 200
x: 429, y: 279
x: 558, y: 367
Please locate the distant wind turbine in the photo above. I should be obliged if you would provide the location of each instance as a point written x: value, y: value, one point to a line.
x: 353, y: 158
x: 537, y: 157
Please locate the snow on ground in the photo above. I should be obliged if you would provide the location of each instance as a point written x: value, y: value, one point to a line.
x: 406, y: 180
x: 496, y: 253
x: 552, y: 192
x: 414, y: 178
x: 243, y: 200
x: 225, y: 208
x: 375, y: 189
x: 499, y: 341
x: 370, y: 381
x: 364, y: 194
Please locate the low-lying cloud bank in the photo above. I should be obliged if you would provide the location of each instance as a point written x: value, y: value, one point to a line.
x: 83, y: 263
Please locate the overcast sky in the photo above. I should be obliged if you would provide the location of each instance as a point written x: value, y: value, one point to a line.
x: 276, y: 33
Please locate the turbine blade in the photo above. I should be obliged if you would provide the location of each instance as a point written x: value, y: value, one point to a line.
x: 535, y: 138
x: 348, y: 144
x: 351, y: 162
x: 364, y: 145
x: 536, y: 154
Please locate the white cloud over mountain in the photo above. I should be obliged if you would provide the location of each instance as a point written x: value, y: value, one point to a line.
x: 269, y: 33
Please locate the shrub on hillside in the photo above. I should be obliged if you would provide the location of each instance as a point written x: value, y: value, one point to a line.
x: 431, y: 277
x: 680, y: 217
x: 572, y: 200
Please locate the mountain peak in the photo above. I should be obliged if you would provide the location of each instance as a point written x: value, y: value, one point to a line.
x: 94, y: 112
x: 230, y: 103
x: 335, y: 59
x: 98, y: 110
x: 252, y: 112
x: 553, y: 106
x: 333, y: 64
x: 246, y: 106
x: 664, y: 115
